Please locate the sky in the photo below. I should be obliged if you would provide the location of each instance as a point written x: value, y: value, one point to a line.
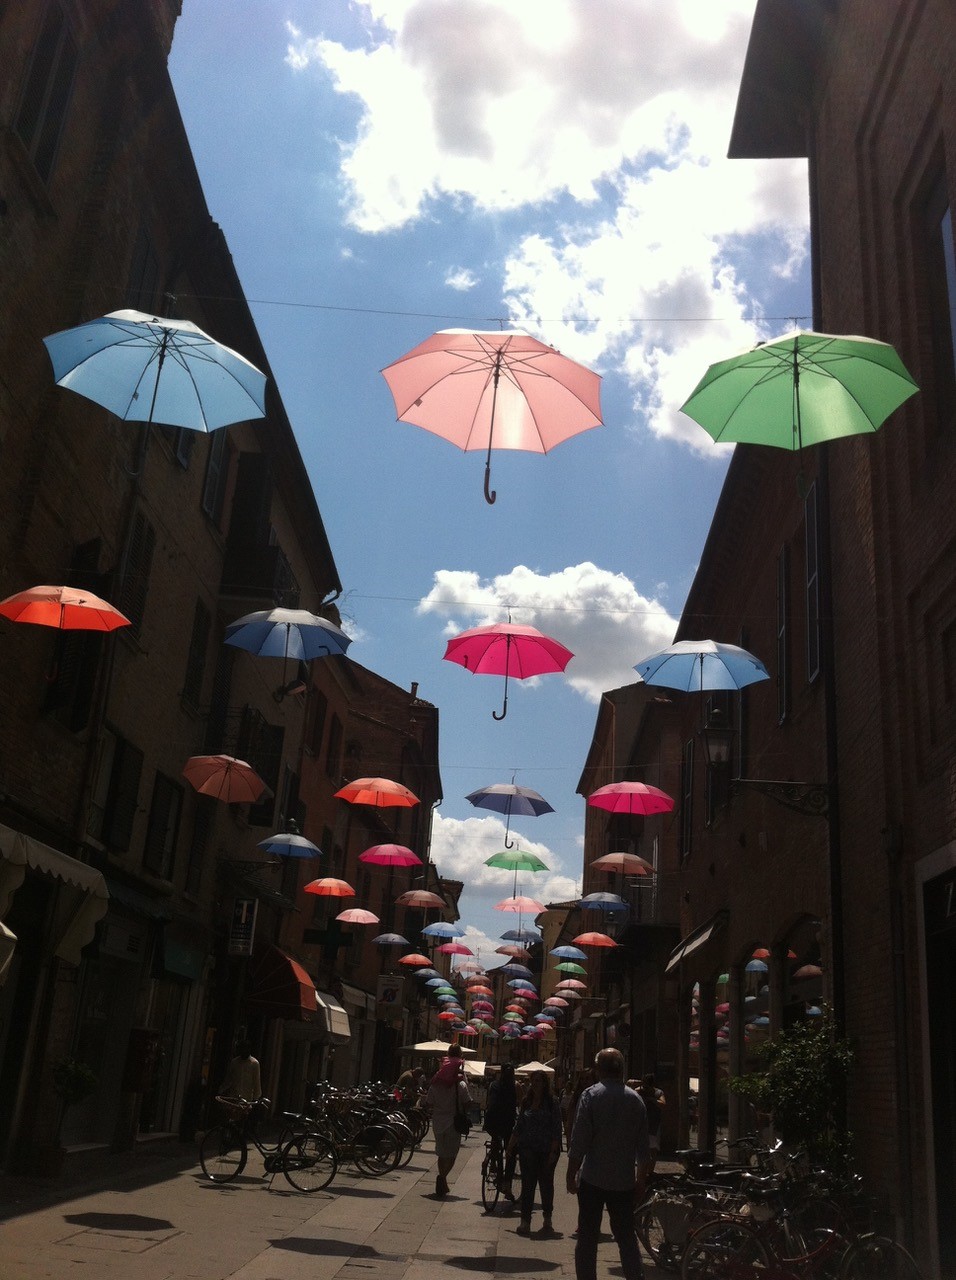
x: 386, y: 168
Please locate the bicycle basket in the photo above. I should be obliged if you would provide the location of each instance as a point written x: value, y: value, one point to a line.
x: 233, y: 1109
x: 675, y: 1217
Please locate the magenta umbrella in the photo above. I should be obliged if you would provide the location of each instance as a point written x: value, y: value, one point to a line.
x: 505, y: 648
x: 505, y: 390
x: 390, y: 855
x: 631, y: 797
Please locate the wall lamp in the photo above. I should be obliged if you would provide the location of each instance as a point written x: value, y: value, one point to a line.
x: 811, y: 798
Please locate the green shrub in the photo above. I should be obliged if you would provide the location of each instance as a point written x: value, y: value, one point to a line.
x: 73, y: 1080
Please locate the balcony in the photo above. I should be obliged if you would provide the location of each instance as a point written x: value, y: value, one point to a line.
x: 258, y: 577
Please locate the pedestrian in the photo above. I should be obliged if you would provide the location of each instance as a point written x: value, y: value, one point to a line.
x: 654, y: 1103
x: 243, y: 1075
x: 447, y: 1096
x: 584, y: 1081
x: 410, y: 1085
x: 500, y: 1117
x: 608, y: 1161
x: 537, y: 1140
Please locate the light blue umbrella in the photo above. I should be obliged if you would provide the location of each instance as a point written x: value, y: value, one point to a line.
x: 569, y: 953
x: 603, y: 902
x: 755, y: 966
x: 436, y: 981
x: 287, y: 633
x: 391, y: 940
x: 695, y: 665
x: 286, y: 844
x: 522, y: 935
x: 443, y: 929
x: 147, y: 368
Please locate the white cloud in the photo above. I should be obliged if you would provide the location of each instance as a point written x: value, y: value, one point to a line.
x: 461, y: 846
x: 600, y: 616
x: 461, y: 278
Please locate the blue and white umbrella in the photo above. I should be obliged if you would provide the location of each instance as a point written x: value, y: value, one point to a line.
x: 285, y: 844
x: 148, y: 368
x: 697, y: 665
x: 292, y: 634
x: 602, y: 902
x: 569, y: 953
x: 443, y: 929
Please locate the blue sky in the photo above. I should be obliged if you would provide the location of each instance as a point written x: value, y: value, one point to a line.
x: 386, y: 168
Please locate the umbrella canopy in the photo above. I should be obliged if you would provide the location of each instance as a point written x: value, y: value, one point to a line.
x: 443, y: 929
x: 602, y: 902
x: 516, y: 860
x: 505, y: 648
x: 695, y: 665
x: 506, y: 798
x: 595, y: 940
x: 512, y: 949
x: 557, y: 1001
x: 503, y: 390
x: 568, y: 953
x: 455, y: 949
x: 574, y: 984
x: 519, y: 905
x: 801, y: 389
x: 522, y: 935
x: 480, y: 989
x: 631, y: 797
x: 287, y: 633
x: 391, y: 940
x: 756, y: 966
x: 329, y: 887
x: 570, y: 966
x: 628, y: 864
x: 516, y: 970
x: 567, y: 993
x: 225, y: 778
x: 66, y: 608
x: 390, y: 855
x: 150, y: 369
x: 419, y: 898
x: 380, y: 792
x: 286, y: 844
x: 356, y: 915
x: 415, y: 959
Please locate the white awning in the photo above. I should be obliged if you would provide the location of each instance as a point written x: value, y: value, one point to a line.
x: 77, y: 923
x: 694, y: 941
x: 334, y: 1017
x: 8, y: 944
x: 360, y: 1000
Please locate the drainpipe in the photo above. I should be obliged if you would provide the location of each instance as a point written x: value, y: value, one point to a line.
x: 893, y: 848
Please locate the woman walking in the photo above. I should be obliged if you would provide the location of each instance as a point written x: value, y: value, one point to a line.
x: 447, y: 1097
x: 537, y: 1139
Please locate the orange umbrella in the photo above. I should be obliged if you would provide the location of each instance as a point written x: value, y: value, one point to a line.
x: 381, y: 792
x: 66, y: 608
x: 628, y: 864
x: 594, y: 940
x: 415, y: 959
x: 329, y: 887
x: 225, y: 778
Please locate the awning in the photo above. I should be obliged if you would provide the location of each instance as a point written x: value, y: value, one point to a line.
x: 360, y: 1000
x: 76, y: 926
x: 8, y: 944
x: 687, y: 946
x: 334, y: 1017
x: 278, y: 986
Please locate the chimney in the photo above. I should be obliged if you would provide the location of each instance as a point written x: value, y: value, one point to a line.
x: 414, y: 688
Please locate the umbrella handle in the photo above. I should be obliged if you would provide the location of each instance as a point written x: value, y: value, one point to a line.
x: 490, y: 494
x: 504, y: 709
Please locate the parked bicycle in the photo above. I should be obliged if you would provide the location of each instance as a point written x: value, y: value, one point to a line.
x: 306, y: 1160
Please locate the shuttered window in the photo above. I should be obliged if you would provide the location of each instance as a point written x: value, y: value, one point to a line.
x: 122, y: 797
x: 162, y: 831
x: 40, y: 114
x: 139, y: 562
x: 196, y: 658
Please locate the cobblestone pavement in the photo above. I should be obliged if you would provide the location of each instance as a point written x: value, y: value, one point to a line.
x: 152, y: 1215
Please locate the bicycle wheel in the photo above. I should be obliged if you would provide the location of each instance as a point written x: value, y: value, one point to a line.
x: 873, y: 1257
x: 723, y: 1250
x: 490, y: 1179
x: 309, y: 1163
x: 375, y: 1151
x: 652, y: 1234
x: 223, y: 1153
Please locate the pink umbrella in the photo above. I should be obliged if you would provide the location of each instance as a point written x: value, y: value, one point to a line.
x: 355, y: 915
x: 574, y: 983
x: 505, y: 390
x: 504, y: 648
x: 628, y: 864
x: 329, y: 887
x: 225, y: 778
x: 520, y: 905
x: 390, y: 855
x: 631, y: 797
x: 513, y: 950
x: 557, y: 1001
x: 594, y: 940
x: 419, y: 898
x: 455, y: 949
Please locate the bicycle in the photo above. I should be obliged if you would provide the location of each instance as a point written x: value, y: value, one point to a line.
x: 493, y: 1178
x: 306, y: 1160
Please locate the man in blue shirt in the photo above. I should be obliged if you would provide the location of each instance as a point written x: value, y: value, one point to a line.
x: 608, y: 1162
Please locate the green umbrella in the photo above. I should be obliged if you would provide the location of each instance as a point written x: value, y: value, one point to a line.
x: 568, y: 966
x: 516, y: 860
x: 802, y: 389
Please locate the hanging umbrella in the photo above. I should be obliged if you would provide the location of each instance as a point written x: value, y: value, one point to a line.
x: 567, y: 994
x: 809, y: 971
x: 801, y: 389
x: 506, y: 798
x: 516, y: 860
x: 434, y: 979
x: 512, y: 949
x: 287, y: 844
x: 151, y: 369
x: 628, y: 864
x: 522, y: 935
x: 568, y: 953
x: 416, y: 959
x: 570, y: 966
x: 419, y: 898
x: 501, y: 390
x: 603, y: 902
x: 557, y: 1002
x: 448, y: 1016
x: 287, y: 633
x: 225, y: 778
x: 516, y: 970
x: 631, y: 797
x: 505, y: 648
x: 595, y: 940
x: 756, y: 966
x: 356, y: 915
x: 575, y: 984
x: 380, y: 792
x: 693, y: 666
x: 391, y: 940
x: 443, y: 929
x: 390, y: 855
x: 329, y: 887
x: 519, y: 905
x: 455, y: 949
x: 481, y: 989
x: 66, y: 608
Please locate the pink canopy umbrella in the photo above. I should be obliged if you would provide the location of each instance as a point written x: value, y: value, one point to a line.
x: 503, y: 390
x: 594, y: 940
x: 520, y: 905
x: 390, y: 855
x: 514, y: 951
x: 631, y: 797
x: 507, y: 649
x: 356, y: 915
x: 455, y: 949
x: 575, y: 984
x: 628, y: 864
x: 419, y: 898
x: 557, y: 1002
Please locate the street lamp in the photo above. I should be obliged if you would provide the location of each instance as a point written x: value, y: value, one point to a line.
x: 811, y: 798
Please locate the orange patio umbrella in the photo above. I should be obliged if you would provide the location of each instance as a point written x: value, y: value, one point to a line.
x: 329, y: 887
x: 66, y: 608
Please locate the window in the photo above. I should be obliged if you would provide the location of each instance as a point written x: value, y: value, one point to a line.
x: 718, y: 714
x: 214, y: 489
x: 199, y: 843
x: 783, y: 634
x: 315, y: 720
x: 76, y: 655
x: 196, y: 658
x: 162, y: 831
x: 333, y: 760
x: 686, y: 797
x: 260, y: 744
x: 813, y: 585
x: 41, y: 111
x: 940, y: 253
x: 116, y: 792
x: 139, y: 562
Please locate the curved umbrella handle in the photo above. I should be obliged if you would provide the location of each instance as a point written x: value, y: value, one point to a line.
x: 490, y: 494
x: 504, y: 709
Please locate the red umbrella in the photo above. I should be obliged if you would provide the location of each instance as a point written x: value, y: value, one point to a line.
x: 66, y: 608
x: 594, y: 940
x: 628, y: 864
x: 507, y: 649
x: 356, y: 915
x: 480, y: 991
x: 225, y: 778
x: 329, y: 887
x: 381, y: 792
x: 631, y: 797
x: 448, y: 1017
x: 390, y: 855
x: 519, y: 905
x: 419, y: 898
x: 505, y: 390
x: 415, y: 959
x: 455, y: 949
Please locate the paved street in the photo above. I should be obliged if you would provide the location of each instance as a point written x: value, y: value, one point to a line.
x: 161, y: 1221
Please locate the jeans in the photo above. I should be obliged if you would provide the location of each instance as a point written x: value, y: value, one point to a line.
x: 620, y: 1211
x: 537, y: 1170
